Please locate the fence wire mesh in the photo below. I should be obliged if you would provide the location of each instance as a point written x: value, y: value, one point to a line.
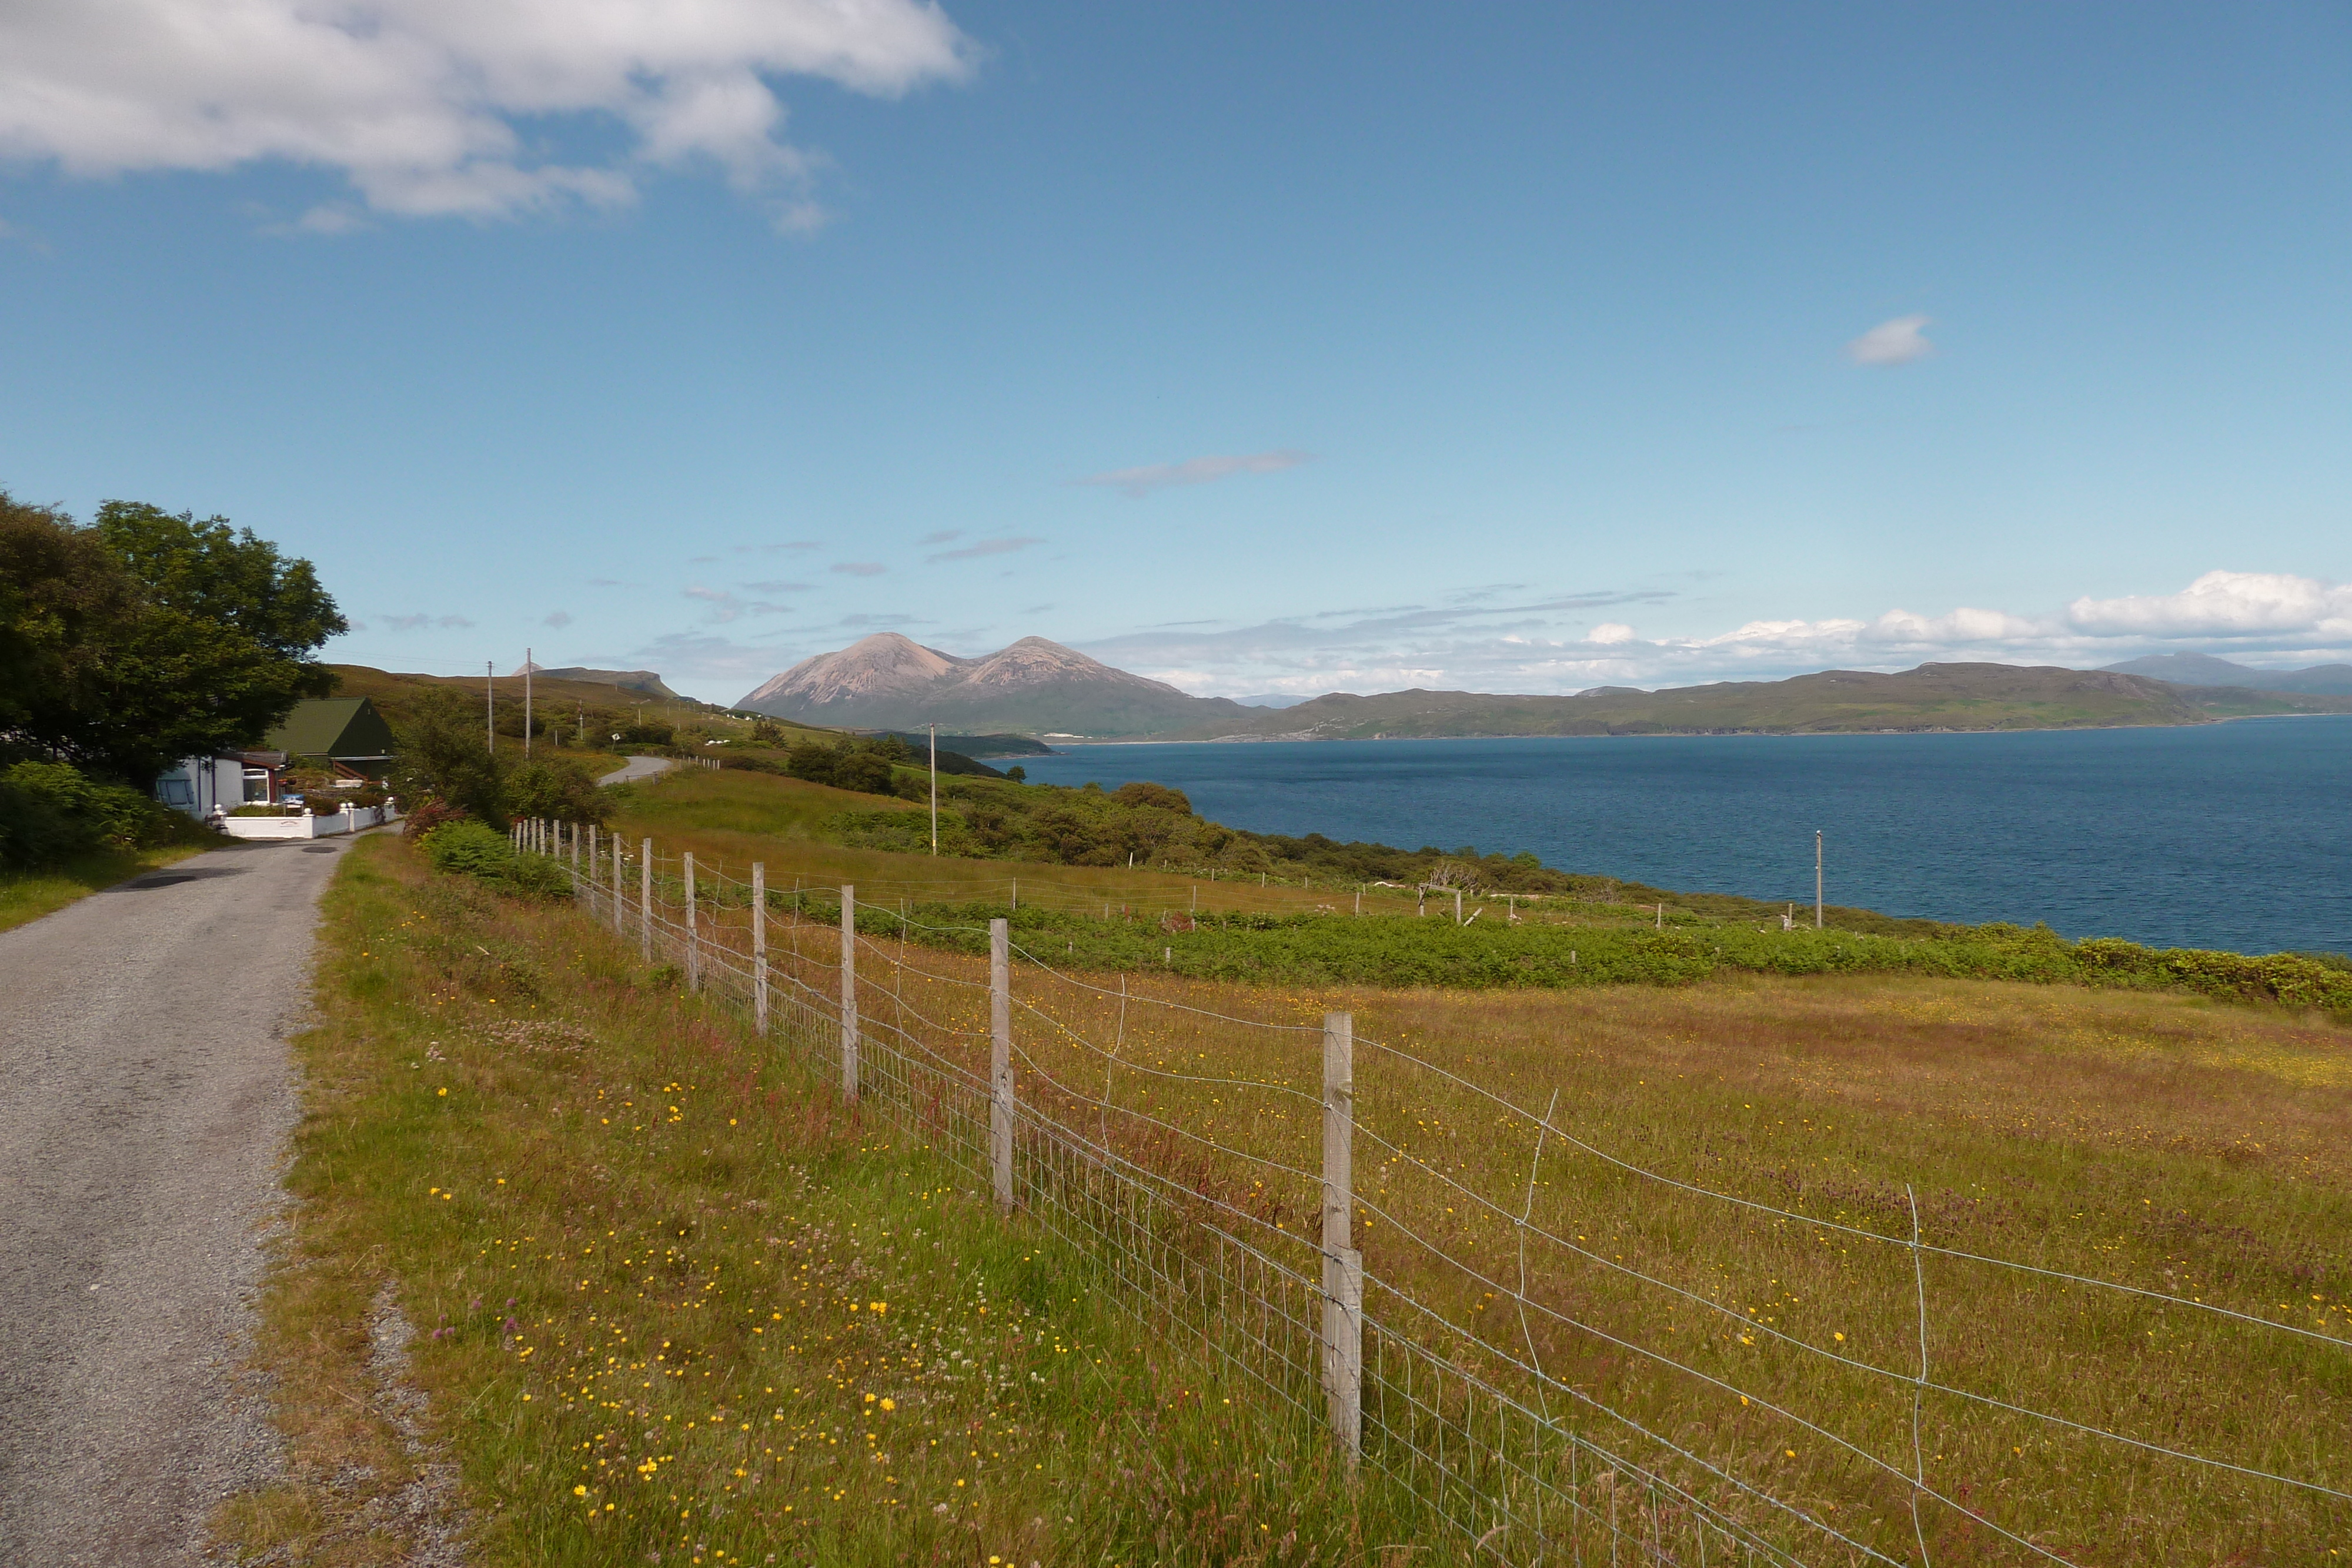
x: 1569, y: 1357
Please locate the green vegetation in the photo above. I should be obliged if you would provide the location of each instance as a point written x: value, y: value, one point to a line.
x: 1554, y: 952
x: 674, y: 1300
x: 146, y: 637
x: 464, y: 847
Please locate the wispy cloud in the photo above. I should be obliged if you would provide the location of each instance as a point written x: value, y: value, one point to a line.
x: 559, y: 619
x: 985, y: 547
x: 776, y: 587
x: 417, y: 622
x: 1895, y: 342
x: 859, y: 568
x: 793, y: 545
x: 940, y: 537
x: 1141, y: 482
x: 607, y: 582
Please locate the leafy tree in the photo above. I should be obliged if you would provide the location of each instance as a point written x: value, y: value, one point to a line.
x: 445, y: 761
x: 66, y: 601
x: 559, y: 787
x: 147, y: 637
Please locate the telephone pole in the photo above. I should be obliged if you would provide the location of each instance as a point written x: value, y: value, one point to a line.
x: 935, y: 789
x: 526, y: 703
x: 491, y: 702
x: 1817, y: 879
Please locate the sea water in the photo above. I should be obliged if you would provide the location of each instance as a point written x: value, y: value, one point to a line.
x: 2234, y: 835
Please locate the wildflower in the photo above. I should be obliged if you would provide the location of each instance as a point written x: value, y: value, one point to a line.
x: 579, y: 1492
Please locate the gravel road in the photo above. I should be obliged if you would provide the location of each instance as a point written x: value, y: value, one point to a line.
x: 149, y: 1096
x: 639, y: 768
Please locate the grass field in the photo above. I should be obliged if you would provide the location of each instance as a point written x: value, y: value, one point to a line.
x: 674, y: 1304
x: 2171, y: 1143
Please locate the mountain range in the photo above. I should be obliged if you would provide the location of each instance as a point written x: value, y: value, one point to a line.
x: 2205, y: 670
x: 1037, y: 687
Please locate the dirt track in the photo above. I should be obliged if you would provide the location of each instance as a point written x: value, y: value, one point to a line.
x: 148, y: 1098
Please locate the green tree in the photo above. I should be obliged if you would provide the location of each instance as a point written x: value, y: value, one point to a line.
x: 65, y: 602
x: 557, y: 788
x: 445, y: 761
x: 147, y: 637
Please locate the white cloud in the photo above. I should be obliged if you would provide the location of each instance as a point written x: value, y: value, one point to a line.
x: 1895, y: 342
x: 449, y: 106
x: 2225, y: 604
x: 1141, y: 482
x: 416, y: 622
x: 777, y: 586
x: 1542, y: 645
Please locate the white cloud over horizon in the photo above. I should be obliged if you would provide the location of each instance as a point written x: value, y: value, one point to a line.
x: 447, y: 108
x: 1138, y: 483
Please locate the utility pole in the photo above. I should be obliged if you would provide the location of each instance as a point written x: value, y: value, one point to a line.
x: 526, y: 703
x: 1817, y: 879
x: 935, y: 789
x: 491, y: 702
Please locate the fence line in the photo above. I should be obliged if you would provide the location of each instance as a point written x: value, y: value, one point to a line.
x: 1195, y: 1232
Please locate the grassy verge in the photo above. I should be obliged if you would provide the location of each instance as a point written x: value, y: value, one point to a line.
x: 28, y: 895
x: 675, y: 1304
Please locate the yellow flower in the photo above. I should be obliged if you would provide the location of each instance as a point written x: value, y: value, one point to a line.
x: 889, y: 1405
x: 444, y: 1093
x: 579, y: 1492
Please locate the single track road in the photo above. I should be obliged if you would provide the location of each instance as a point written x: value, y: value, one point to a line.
x: 639, y: 768
x: 150, y: 1095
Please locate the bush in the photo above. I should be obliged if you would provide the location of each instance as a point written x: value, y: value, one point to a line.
x: 558, y: 789
x: 51, y: 813
x: 471, y: 849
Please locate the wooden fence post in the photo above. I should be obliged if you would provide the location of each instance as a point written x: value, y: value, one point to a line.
x: 645, y: 904
x: 1000, y: 1064
x: 693, y: 931
x: 596, y: 868
x: 848, y: 992
x: 760, y: 948
x: 1343, y: 1266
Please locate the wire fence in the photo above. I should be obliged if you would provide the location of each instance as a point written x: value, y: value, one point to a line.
x: 1568, y: 1355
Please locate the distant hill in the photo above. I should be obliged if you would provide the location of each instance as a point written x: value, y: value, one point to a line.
x: 645, y: 681
x: 556, y: 692
x: 2205, y: 670
x: 1931, y: 697
x: 1033, y: 687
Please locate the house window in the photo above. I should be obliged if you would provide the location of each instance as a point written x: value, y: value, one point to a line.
x: 256, y: 785
x: 175, y: 792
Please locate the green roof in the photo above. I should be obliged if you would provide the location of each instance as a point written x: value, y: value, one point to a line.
x: 333, y: 727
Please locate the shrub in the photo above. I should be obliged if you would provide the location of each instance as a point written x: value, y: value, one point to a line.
x: 471, y: 849
x: 50, y: 812
x: 560, y: 789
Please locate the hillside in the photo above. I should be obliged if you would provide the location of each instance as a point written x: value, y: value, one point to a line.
x: 1035, y: 686
x: 1931, y: 697
x: 2205, y: 670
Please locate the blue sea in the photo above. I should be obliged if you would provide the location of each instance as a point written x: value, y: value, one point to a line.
x: 2234, y: 835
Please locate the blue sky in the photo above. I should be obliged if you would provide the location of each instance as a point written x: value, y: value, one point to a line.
x: 1265, y: 350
